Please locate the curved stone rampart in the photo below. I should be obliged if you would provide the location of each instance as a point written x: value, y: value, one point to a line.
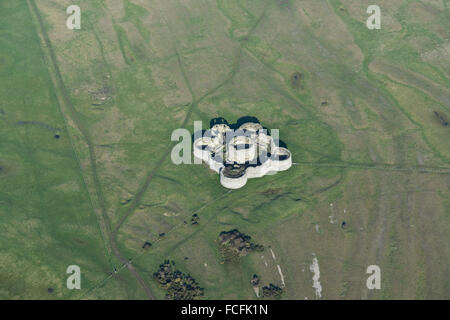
x: 233, y: 183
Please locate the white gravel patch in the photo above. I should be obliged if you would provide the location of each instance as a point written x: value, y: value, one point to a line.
x: 314, y: 268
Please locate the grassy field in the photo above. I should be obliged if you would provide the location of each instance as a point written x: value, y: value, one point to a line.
x: 86, y: 117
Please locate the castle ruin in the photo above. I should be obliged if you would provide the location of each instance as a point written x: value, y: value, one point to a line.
x: 239, y: 155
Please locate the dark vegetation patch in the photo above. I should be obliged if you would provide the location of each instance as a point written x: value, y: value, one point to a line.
x: 271, y: 191
x: 179, y: 285
x: 147, y: 245
x: 272, y: 291
x: 296, y: 81
x: 195, y: 219
x: 442, y: 119
x: 255, y: 280
x: 233, y: 245
x: 218, y: 120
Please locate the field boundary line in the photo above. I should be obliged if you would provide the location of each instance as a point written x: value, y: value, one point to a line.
x: 382, y: 167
